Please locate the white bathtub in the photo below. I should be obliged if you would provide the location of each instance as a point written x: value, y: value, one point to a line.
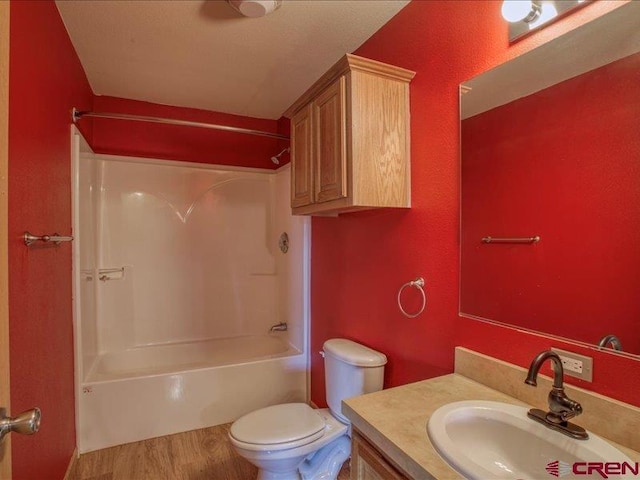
x: 177, y: 357
x: 167, y: 251
x: 153, y: 391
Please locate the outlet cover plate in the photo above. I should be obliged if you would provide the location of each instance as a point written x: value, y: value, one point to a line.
x: 585, y: 362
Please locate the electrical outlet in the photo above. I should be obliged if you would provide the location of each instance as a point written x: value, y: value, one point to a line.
x: 571, y: 365
x: 576, y: 365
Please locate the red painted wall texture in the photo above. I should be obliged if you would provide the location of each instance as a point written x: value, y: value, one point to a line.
x: 360, y: 260
x: 45, y: 81
x: 562, y: 163
x: 153, y: 140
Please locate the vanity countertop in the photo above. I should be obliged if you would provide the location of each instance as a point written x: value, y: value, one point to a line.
x: 395, y: 421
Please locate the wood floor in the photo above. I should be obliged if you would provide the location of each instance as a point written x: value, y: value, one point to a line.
x: 196, y: 455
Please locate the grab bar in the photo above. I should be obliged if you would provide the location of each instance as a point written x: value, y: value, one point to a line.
x: 105, y: 274
x: 30, y: 239
x: 511, y: 240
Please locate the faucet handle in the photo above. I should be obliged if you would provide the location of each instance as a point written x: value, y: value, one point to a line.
x: 560, y: 402
x: 561, y: 406
x: 561, y: 409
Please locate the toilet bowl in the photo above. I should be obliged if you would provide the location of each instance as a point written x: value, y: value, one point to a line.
x: 293, y: 441
x: 279, y: 439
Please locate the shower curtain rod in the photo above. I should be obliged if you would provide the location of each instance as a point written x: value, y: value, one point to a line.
x: 77, y: 115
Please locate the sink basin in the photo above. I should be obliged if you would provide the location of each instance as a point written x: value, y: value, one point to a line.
x: 493, y: 440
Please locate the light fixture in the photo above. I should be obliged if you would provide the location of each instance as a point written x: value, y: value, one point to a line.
x: 520, y: 10
x: 548, y: 12
x: 525, y: 16
x: 255, y: 8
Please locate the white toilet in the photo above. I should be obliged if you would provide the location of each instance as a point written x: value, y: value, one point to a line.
x: 292, y: 441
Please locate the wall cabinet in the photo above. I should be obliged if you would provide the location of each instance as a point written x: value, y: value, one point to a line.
x: 350, y: 140
x: 368, y: 464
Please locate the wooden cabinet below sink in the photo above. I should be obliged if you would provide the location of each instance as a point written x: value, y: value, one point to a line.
x: 368, y: 464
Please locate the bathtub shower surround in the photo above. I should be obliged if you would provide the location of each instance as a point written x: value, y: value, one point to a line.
x: 180, y: 278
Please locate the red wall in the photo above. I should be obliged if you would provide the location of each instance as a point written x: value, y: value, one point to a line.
x: 361, y: 259
x: 153, y: 140
x: 46, y: 81
x: 581, y: 281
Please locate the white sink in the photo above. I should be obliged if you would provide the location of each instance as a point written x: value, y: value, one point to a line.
x: 492, y: 440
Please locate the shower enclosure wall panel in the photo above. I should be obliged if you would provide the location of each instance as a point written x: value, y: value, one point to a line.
x: 295, y: 277
x: 86, y: 259
x: 195, y: 246
x: 181, y: 279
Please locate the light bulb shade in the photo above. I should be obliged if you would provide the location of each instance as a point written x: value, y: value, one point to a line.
x: 516, y: 10
x: 255, y: 8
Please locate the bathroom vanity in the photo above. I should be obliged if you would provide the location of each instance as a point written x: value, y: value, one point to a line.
x: 368, y: 463
x: 390, y: 439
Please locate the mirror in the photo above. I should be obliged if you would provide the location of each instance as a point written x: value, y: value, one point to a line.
x: 550, y: 146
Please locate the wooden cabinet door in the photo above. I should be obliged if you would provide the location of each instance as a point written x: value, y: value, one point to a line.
x: 302, y: 158
x: 329, y: 134
x: 368, y: 464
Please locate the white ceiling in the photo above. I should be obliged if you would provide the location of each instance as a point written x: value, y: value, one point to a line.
x: 203, y: 54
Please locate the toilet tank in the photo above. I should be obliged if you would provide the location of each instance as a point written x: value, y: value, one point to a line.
x: 350, y: 369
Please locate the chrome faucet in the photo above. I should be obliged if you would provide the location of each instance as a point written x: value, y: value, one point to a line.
x: 561, y: 407
x: 279, y: 327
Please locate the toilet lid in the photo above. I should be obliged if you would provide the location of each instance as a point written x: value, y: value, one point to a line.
x: 288, y: 425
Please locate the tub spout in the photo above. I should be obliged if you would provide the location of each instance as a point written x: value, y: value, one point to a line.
x: 279, y: 327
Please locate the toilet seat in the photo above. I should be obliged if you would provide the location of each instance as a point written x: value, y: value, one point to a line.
x: 278, y: 427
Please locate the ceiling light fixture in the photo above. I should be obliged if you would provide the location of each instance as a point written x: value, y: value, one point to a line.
x: 525, y: 16
x: 255, y: 8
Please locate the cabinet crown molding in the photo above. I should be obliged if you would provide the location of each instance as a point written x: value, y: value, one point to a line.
x: 349, y: 63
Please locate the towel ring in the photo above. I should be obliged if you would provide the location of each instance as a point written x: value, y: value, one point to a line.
x: 417, y: 283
